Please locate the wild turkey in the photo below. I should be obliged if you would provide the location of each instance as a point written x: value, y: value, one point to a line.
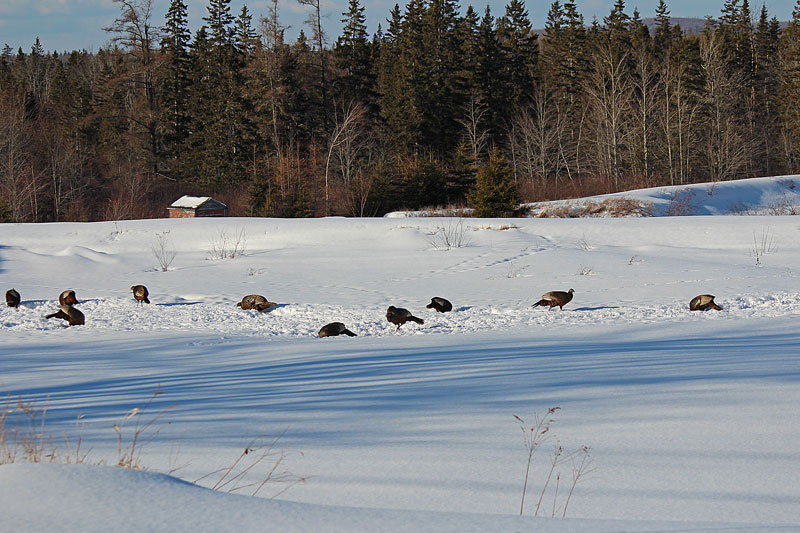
x: 335, y: 328
x: 440, y: 304
x: 70, y: 314
x: 555, y: 298
x: 703, y: 302
x: 12, y: 298
x: 141, y: 294
x: 255, y: 301
x: 67, y: 298
x: 399, y: 316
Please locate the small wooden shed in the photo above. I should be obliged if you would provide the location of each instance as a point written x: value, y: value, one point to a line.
x: 197, y: 206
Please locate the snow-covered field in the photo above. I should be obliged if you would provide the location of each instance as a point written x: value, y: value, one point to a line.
x: 691, y: 418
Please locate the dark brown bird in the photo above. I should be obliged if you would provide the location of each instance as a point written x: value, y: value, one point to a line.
x: 67, y: 298
x: 70, y: 314
x: 12, y: 298
x: 255, y: 301
x: 440, y: 304
x: 399, y: 316
x: 141, y: 294
x: 335, y: 328
x: 703, y: 302
x: 555, y: 298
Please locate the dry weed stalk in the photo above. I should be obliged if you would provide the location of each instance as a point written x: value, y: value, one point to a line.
x: 580, y: 469
x: 610, y: 207
x: 224, y: 246
x: 682, y: 203
x: 765, y: 244
x: 129, y: 456
x: 580, y: 459
x: 255, y: 454
x: 534, y: 436
x: 28, y: 436
x: 451, y: 236
x: 75, y: 456
x: 163, y: 251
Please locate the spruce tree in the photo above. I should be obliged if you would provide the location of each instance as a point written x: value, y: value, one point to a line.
x: 789, y: 93
x: 617, y: 29
x: 440, y: 91
x: 353, y: 54
x: 495, y: 194
x: 521, y: 47
x: 494, y: 88
x: 664, y: 36
x: 245, y: 37
x: 176, y: 115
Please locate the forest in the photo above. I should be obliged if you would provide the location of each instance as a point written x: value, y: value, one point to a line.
x: 443, y: 106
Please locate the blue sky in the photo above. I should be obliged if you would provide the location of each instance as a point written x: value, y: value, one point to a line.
x: 77, y: 24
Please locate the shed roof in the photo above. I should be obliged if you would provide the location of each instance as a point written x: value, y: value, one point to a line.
x: 195, y: 202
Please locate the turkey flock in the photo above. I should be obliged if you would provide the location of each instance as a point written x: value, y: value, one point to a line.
x: 395, y: 315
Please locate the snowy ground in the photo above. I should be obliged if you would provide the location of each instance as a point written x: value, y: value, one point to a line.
x: 756, y: 196
x: 691, y: 418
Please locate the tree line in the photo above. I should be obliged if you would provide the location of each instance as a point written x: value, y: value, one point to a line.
x: 436, y: 108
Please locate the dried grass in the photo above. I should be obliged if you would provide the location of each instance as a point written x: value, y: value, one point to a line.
x: 610, y: 207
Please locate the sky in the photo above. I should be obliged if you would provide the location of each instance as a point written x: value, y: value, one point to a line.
x: 78, y: 24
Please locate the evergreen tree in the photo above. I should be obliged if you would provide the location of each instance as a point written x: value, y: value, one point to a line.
x: 440, y: 91
x: 353, y: 53
x: 789, y: 95
x: 494, y: 88
x: 245, y: 37
x: 617, y: 29
x: 398, y: 64
x: 664, y: 37
x: 175, y: 81
x: 765, y: 81
x: 521, y: 47
x: 495, y: 194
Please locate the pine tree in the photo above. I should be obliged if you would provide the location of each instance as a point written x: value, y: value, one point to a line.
x: 176, y: 115
x: 617, y: 29
x: 789, y: 94
x: 245, y: 37
x: 664, y: 37
x: 357, y: 84
x: 440, y: 91
x: 494, y: 89
x: 765, y: 81
x: 495, y: 194
x: 397, y: 68
x: 521, y: 47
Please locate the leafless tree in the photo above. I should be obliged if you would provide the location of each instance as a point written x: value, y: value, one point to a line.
x: 475, y: 133
x: 19, y: 182
x: 726, y: 141
x: 133, y: 31
x: 608, y: 88
x: 63, y: 167
x: 318, y: 37
x: 645, y: 89
x: 345, y: 143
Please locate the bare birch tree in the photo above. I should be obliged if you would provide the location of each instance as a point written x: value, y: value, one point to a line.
x: 608, y: 88
x: 345, y: 143
x: 475, y: 133
x: 725, y: 144
x: 18, y: 180
x: 645, y: 88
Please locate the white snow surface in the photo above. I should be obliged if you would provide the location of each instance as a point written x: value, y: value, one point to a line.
x: 691, y: 418
x: 755, y: 196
